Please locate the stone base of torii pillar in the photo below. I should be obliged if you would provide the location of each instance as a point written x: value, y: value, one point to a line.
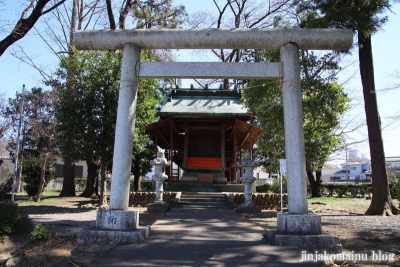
x: 304, y: 231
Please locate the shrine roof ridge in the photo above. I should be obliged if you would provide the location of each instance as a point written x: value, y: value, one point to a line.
x: 205, y: 93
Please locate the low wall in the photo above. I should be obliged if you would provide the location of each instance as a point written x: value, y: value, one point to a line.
x: 142, y: 199
x: 264, y: 201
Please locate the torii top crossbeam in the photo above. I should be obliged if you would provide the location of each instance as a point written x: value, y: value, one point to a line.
x: 312, y: 39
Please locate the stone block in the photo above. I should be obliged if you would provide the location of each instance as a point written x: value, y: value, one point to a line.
x: 176, y: 200
x: 230, y: 201
x: 117, y: 219
x: 220, y: 180
x: 109, y: 237
x: 323, y: 242
x: 248, y: 208
x: 299, y: 224
x: 205, y: 178
x: 158, y: 207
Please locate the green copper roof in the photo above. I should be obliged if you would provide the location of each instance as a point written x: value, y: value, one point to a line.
x: 203, y: 103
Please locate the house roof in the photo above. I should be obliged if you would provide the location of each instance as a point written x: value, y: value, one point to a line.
x: 361, y: 162
x: 392, y: 159
x: 203, y: 103
x: 330, y: 166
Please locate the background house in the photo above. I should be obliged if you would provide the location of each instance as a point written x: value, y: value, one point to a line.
x: 329, y: 170
x: 393, y: 163
x: 80, y: 168
x: 356, y: 168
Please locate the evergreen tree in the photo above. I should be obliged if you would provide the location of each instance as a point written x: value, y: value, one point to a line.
x: 324, y: 102
x: 364, y: 18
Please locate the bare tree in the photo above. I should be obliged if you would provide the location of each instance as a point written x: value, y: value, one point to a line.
x: 240, y: 14
x: 44, y: 128
x: 4, y: 124
x: 26, y: 23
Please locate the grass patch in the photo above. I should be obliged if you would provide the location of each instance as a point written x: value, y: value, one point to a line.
x: 360, y: 204
x: 49, y: 198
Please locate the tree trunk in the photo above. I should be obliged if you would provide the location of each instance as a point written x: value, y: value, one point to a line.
x: 103, y: 184
x: 74, y: 18
x: 136, y: 182
x: 68, y: 187
x: 381, y: 203
x: 315, y: 183
x: 18, y: 179
x: 91, y: 189
x: 42, y: 178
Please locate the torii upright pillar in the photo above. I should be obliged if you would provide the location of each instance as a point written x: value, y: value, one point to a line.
x: 297, y: 227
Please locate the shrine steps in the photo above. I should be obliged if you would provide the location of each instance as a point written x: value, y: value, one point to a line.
x: 202, y: 187
x: 203, y: 200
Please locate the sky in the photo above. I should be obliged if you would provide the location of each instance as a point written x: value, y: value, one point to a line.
x: 386, y: 53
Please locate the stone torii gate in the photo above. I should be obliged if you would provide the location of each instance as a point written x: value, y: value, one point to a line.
x: 289, y: 41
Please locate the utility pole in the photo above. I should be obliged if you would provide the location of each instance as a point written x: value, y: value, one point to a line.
x: 17, y: 149
x: 347, y: 169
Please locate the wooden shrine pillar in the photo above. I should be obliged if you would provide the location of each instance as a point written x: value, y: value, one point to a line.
x: 234, y: 155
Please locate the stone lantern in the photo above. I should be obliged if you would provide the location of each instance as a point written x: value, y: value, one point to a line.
x: 159, y: 177
x: 247, y: 165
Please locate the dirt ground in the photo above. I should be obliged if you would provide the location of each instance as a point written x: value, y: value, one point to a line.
x: 57, y: 250
x: 358, y: 233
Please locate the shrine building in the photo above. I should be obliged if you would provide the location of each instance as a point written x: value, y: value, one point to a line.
x: 201, y: 132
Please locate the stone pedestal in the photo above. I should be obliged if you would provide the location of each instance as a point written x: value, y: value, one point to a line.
x: 113, y: 227
x: 301, y: 224
x: 311, y: 243
x: 304, y: 231
x: 117, y: 219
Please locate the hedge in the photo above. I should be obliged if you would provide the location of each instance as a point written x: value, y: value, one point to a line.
x: 342, y: 189
x: 345, y: 189
x: 264, y: 188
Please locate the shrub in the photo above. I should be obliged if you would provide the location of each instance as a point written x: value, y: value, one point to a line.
x: 276, y: 187
x: 12, y: 219
x: 145, y: 185
x: 80, y: 184
x: 40, y: 232
x: 31, y: 174
x: 394, y: 186
x: 263, y: 188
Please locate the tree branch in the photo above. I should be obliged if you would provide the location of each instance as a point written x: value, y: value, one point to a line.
x: 24, y: 25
